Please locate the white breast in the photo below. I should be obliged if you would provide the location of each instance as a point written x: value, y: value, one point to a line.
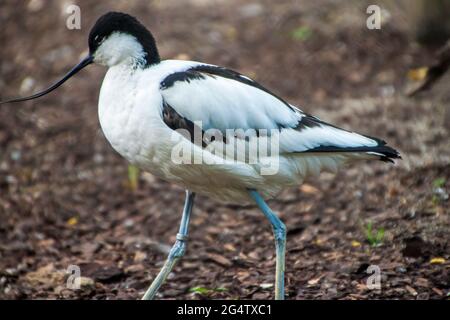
x: 128, y: 113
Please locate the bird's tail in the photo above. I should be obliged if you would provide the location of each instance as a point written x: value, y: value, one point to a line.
x: 384, y: 152
x: 381, y: 150
x: 317, y: 136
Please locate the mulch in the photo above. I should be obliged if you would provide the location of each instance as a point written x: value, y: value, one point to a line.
x: 65, y: 196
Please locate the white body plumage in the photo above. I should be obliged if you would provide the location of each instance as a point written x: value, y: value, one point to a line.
x: 130, y: 113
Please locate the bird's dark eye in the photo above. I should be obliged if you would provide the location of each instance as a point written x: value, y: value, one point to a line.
x: 95, y: 42
x: 98, y: 39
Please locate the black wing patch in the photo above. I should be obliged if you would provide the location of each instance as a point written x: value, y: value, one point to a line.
x: 307, y: 121
x: 175, y: 121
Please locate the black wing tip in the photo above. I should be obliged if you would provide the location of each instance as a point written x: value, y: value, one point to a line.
x: 388, y: 154
x: 384, y: 152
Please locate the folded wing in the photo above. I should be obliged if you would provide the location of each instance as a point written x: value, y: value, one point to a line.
x: 219, y: 98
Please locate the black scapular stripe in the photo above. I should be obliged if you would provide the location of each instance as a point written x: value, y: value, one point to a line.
x: 175, y: 121
x: 185, y: 76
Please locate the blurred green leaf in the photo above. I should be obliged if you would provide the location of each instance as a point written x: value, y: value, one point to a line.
x: 133, y: 177
x: 302, y: 33
x: 380, y: 235
x: 439, y: 182
x: 203, y: 290
x: 200, y: 290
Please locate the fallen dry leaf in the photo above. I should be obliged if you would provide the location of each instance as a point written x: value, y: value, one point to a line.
x: 72, y: 221
x: 46, y: 275
x: 266, y: 285
x: 356, y: 244
x: 418, y: 74
x: 309, y: 189
x: 411, y: 290
x: 437, y: 260
x: 315, y: 281
x: 221, y: 260
x: 140, y: 256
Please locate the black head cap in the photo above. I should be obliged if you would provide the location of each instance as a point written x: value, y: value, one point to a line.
x: 121, y: 22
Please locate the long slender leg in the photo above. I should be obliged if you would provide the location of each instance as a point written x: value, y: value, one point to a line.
x: 177, y: 250
x: 279, y: 232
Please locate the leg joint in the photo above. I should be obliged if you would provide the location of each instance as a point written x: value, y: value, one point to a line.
x: 279, y: 231
x: 182, y: 237
x: 178, y: 249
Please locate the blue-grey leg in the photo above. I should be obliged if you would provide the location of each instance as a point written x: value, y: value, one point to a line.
x: 177, y: 250
x: 279, y: 232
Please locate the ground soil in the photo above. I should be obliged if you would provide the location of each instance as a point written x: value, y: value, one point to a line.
x: 66, y: 199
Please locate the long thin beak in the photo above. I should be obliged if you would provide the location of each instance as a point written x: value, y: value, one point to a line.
x: 85, y: 62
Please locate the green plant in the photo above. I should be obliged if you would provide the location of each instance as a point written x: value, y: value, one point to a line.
x: 200, y: 290
x: 439, y: 182
x: 374, y: 237
x: 439, y: 193
x: 302, y: 33
x: 204, y: 291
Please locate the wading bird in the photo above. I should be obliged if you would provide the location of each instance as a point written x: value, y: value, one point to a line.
x: 153, y: 110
